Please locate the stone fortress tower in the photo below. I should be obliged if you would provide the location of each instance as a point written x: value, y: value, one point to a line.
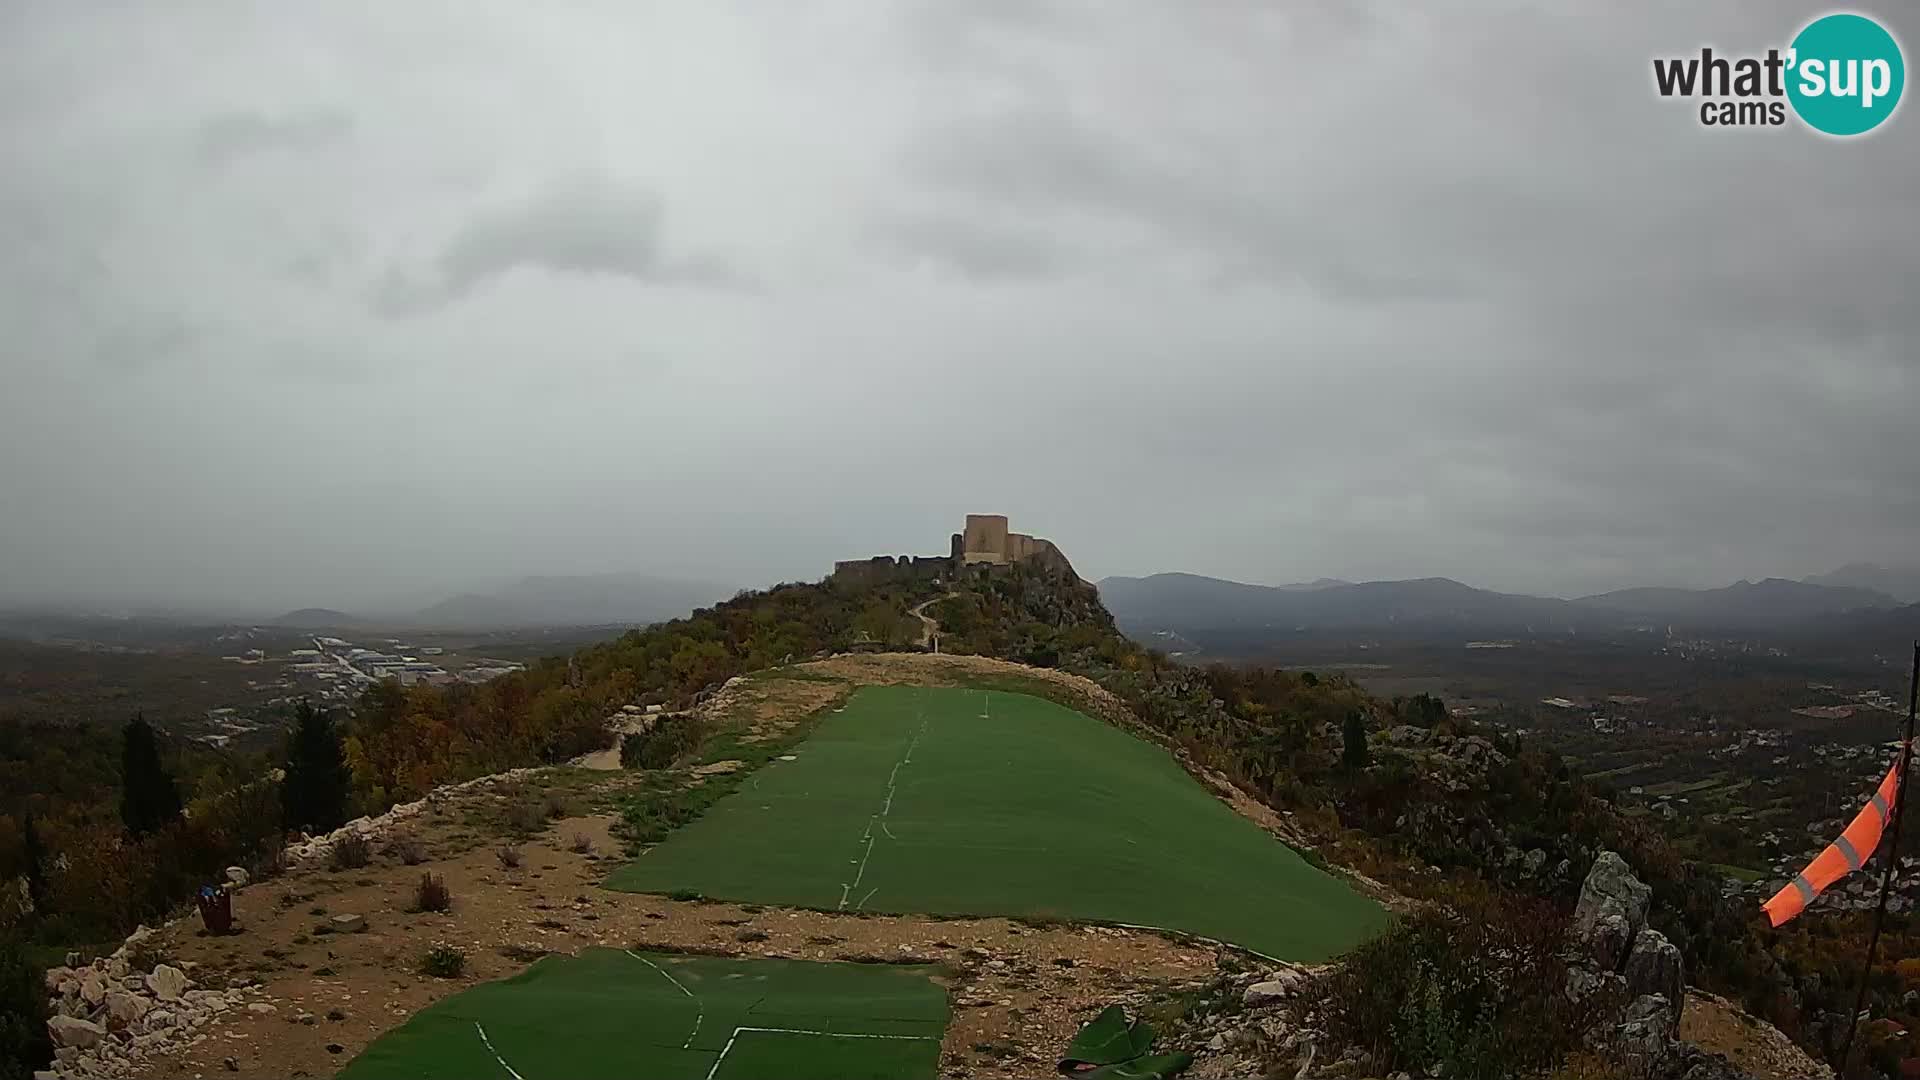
x: 983, y: 546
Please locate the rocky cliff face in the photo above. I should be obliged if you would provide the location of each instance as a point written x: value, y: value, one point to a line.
x: 1615, y: 957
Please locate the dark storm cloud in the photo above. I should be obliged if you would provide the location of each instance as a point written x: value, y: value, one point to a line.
x: 586, y: 225
x: 1269, y: 291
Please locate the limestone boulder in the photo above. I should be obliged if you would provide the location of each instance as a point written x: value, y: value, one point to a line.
x: 124, y: 1009
x: 168, y: 982
x: 1268, y: 991
x: 1608, y: 942
x: 1532, y: 861
x: 1610, y: 889
x: 77, y: 1033
x: 1655, y: 967
x: 1645, y: 1039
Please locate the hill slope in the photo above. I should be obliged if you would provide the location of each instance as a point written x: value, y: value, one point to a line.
x: 315, y: 618
x: 586, y: 600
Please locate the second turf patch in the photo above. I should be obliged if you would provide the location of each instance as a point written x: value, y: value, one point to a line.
x: 969, y: 802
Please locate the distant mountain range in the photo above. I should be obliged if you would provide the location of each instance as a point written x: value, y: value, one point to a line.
x: 584, y: 600
x: 1903, y: 584
x: 1772, y: 600
x: 1187, y: 604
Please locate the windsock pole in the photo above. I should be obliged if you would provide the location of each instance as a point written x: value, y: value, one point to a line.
x: 1886, y: 875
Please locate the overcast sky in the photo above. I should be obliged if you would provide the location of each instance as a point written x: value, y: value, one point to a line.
x: 350, y: 304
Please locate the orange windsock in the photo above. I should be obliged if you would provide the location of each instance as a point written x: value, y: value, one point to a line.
x: 1842, y: 857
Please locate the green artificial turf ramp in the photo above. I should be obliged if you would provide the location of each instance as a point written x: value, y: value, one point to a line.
x: 972, y: 802
x: 611, y: 1013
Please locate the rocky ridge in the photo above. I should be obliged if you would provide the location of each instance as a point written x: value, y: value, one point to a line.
x: 110, y: 1016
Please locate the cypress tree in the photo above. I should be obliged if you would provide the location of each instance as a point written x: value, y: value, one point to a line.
x: 1354, y: 753
x: 315, y: 792
x: 24, y: 1045
x: 149, y: 801
x: 36, y: 859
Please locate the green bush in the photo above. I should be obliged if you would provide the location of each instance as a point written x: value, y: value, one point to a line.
x: 443, y: 962
x: 660, y: 748
x: 23, y: 1013
x: 1478, y: 991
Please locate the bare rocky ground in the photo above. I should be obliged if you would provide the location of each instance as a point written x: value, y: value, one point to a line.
x: 327, y: 959
x: 1019, y: 991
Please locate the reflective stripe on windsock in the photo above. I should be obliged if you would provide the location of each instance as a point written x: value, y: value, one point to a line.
x: 1842, y: 857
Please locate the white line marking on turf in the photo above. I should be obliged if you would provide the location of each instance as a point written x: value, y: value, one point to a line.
x: 725, y: 1050
x: 700, y: 1012
x: 846, y: 889
x: 864, y: 899
x: 864, y: 858
x: 496, y: 1053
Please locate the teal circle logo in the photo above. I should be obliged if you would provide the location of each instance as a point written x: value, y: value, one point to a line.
x: 1846, y: 74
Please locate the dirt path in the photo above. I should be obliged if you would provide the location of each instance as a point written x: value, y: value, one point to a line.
x: 607, y: 760
x: 928, y: 625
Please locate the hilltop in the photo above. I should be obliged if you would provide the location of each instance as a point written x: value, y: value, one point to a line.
x: 1417, y: 808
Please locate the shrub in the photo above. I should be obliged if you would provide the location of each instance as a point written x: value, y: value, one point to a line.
x: 525, y: 817
x: 408, y: 849
x: 555, y: 806
x: 443, y: 962
x: 269, y: 864
x: 509, y: 857
x: 1480, y: 992
x: 666, y: 743
x: 24, y: 1046
x: 350, y: 852
x: 432, y: 894
x: 581, y: 844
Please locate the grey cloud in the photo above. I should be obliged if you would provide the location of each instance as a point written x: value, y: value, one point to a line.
x: 592, y: 226
x: 136, y: 342
x: 1358, y: 291
x: 229, y: 135
x: 974, y: 249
